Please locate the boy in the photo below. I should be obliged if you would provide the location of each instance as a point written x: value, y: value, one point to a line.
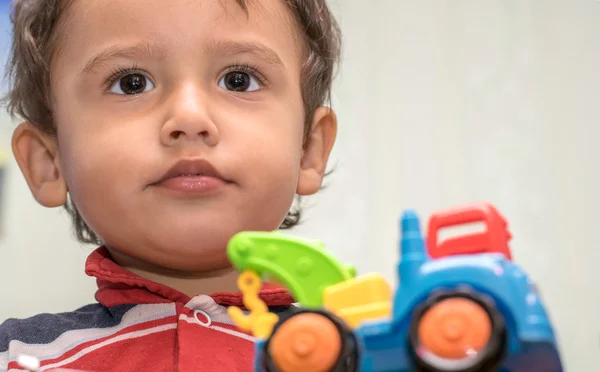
x: 166, y: 127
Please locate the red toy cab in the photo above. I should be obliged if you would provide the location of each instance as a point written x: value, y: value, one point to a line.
x: 494, y: 239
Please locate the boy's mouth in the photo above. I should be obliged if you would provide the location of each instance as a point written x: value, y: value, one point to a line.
x: 196, y: 176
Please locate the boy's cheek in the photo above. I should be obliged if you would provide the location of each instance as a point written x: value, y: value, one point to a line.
x: 273, y: 168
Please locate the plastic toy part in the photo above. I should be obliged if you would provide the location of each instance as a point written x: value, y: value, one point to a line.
x: 260, y: 321
x: 308, y: 342
x: 302, y: 266
x: 494, y: 239
x: 315, y: 341
x: 357, y: 300
x: 457, y: 330
x: 462, y: 305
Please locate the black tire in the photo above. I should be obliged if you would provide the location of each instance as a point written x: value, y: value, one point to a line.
x: 487, y: 360
x: 347, y: 360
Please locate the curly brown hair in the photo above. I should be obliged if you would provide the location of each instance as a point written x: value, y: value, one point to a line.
x: 36, y: 34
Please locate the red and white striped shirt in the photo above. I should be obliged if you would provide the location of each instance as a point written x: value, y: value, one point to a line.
x: 137, y: 325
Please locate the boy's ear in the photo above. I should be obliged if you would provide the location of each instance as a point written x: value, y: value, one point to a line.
x: 37, y: 156
x: 316, y: 151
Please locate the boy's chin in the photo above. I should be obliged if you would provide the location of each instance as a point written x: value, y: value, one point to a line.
x: 200, y: 259
x: 174, y: 258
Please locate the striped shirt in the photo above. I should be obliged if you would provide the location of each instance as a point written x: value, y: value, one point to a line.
x: 137, y: 325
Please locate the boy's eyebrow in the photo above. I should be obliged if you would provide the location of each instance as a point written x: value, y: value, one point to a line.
x: 145, y: 49
x: 137, y: 51
x: 257, y: 50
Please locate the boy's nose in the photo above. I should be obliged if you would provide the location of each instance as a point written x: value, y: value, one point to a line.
x: 189, y: 121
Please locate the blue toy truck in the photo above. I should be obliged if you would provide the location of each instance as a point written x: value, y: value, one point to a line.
x: 462, y: 305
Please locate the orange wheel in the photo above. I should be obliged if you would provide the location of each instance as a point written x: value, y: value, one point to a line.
x: 455, y: 328
x: 306, y: 342
x: 458, y: 330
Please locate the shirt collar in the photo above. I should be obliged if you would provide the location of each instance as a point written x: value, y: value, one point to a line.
x: 117, y: 286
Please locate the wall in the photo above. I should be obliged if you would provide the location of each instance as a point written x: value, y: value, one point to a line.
x: 439, y: 103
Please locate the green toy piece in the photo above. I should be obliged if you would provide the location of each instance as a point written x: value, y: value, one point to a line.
x: 302, y: 266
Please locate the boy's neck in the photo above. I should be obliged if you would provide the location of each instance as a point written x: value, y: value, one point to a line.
x: 189, y: 283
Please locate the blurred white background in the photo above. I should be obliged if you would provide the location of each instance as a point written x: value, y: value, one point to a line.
x: 439, y: 103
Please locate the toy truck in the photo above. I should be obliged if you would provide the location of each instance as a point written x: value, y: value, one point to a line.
x: 462, y: 304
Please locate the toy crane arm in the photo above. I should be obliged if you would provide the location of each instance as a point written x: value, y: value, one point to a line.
x: 304, y: 267
x: 314, y: 277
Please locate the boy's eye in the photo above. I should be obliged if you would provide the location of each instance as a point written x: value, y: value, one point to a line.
x: 239, y: 81
x: 133, y: 83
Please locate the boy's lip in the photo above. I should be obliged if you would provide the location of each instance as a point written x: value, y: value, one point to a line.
x: 191, y: 167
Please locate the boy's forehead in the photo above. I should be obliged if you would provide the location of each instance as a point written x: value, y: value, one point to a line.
x: 190, y: 14
x: 92, y: 25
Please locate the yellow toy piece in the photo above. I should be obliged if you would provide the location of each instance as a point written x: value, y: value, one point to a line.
x: 260, y: 321
x: 356, y: 300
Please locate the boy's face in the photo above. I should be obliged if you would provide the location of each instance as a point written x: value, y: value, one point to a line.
x: 140, y: 86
